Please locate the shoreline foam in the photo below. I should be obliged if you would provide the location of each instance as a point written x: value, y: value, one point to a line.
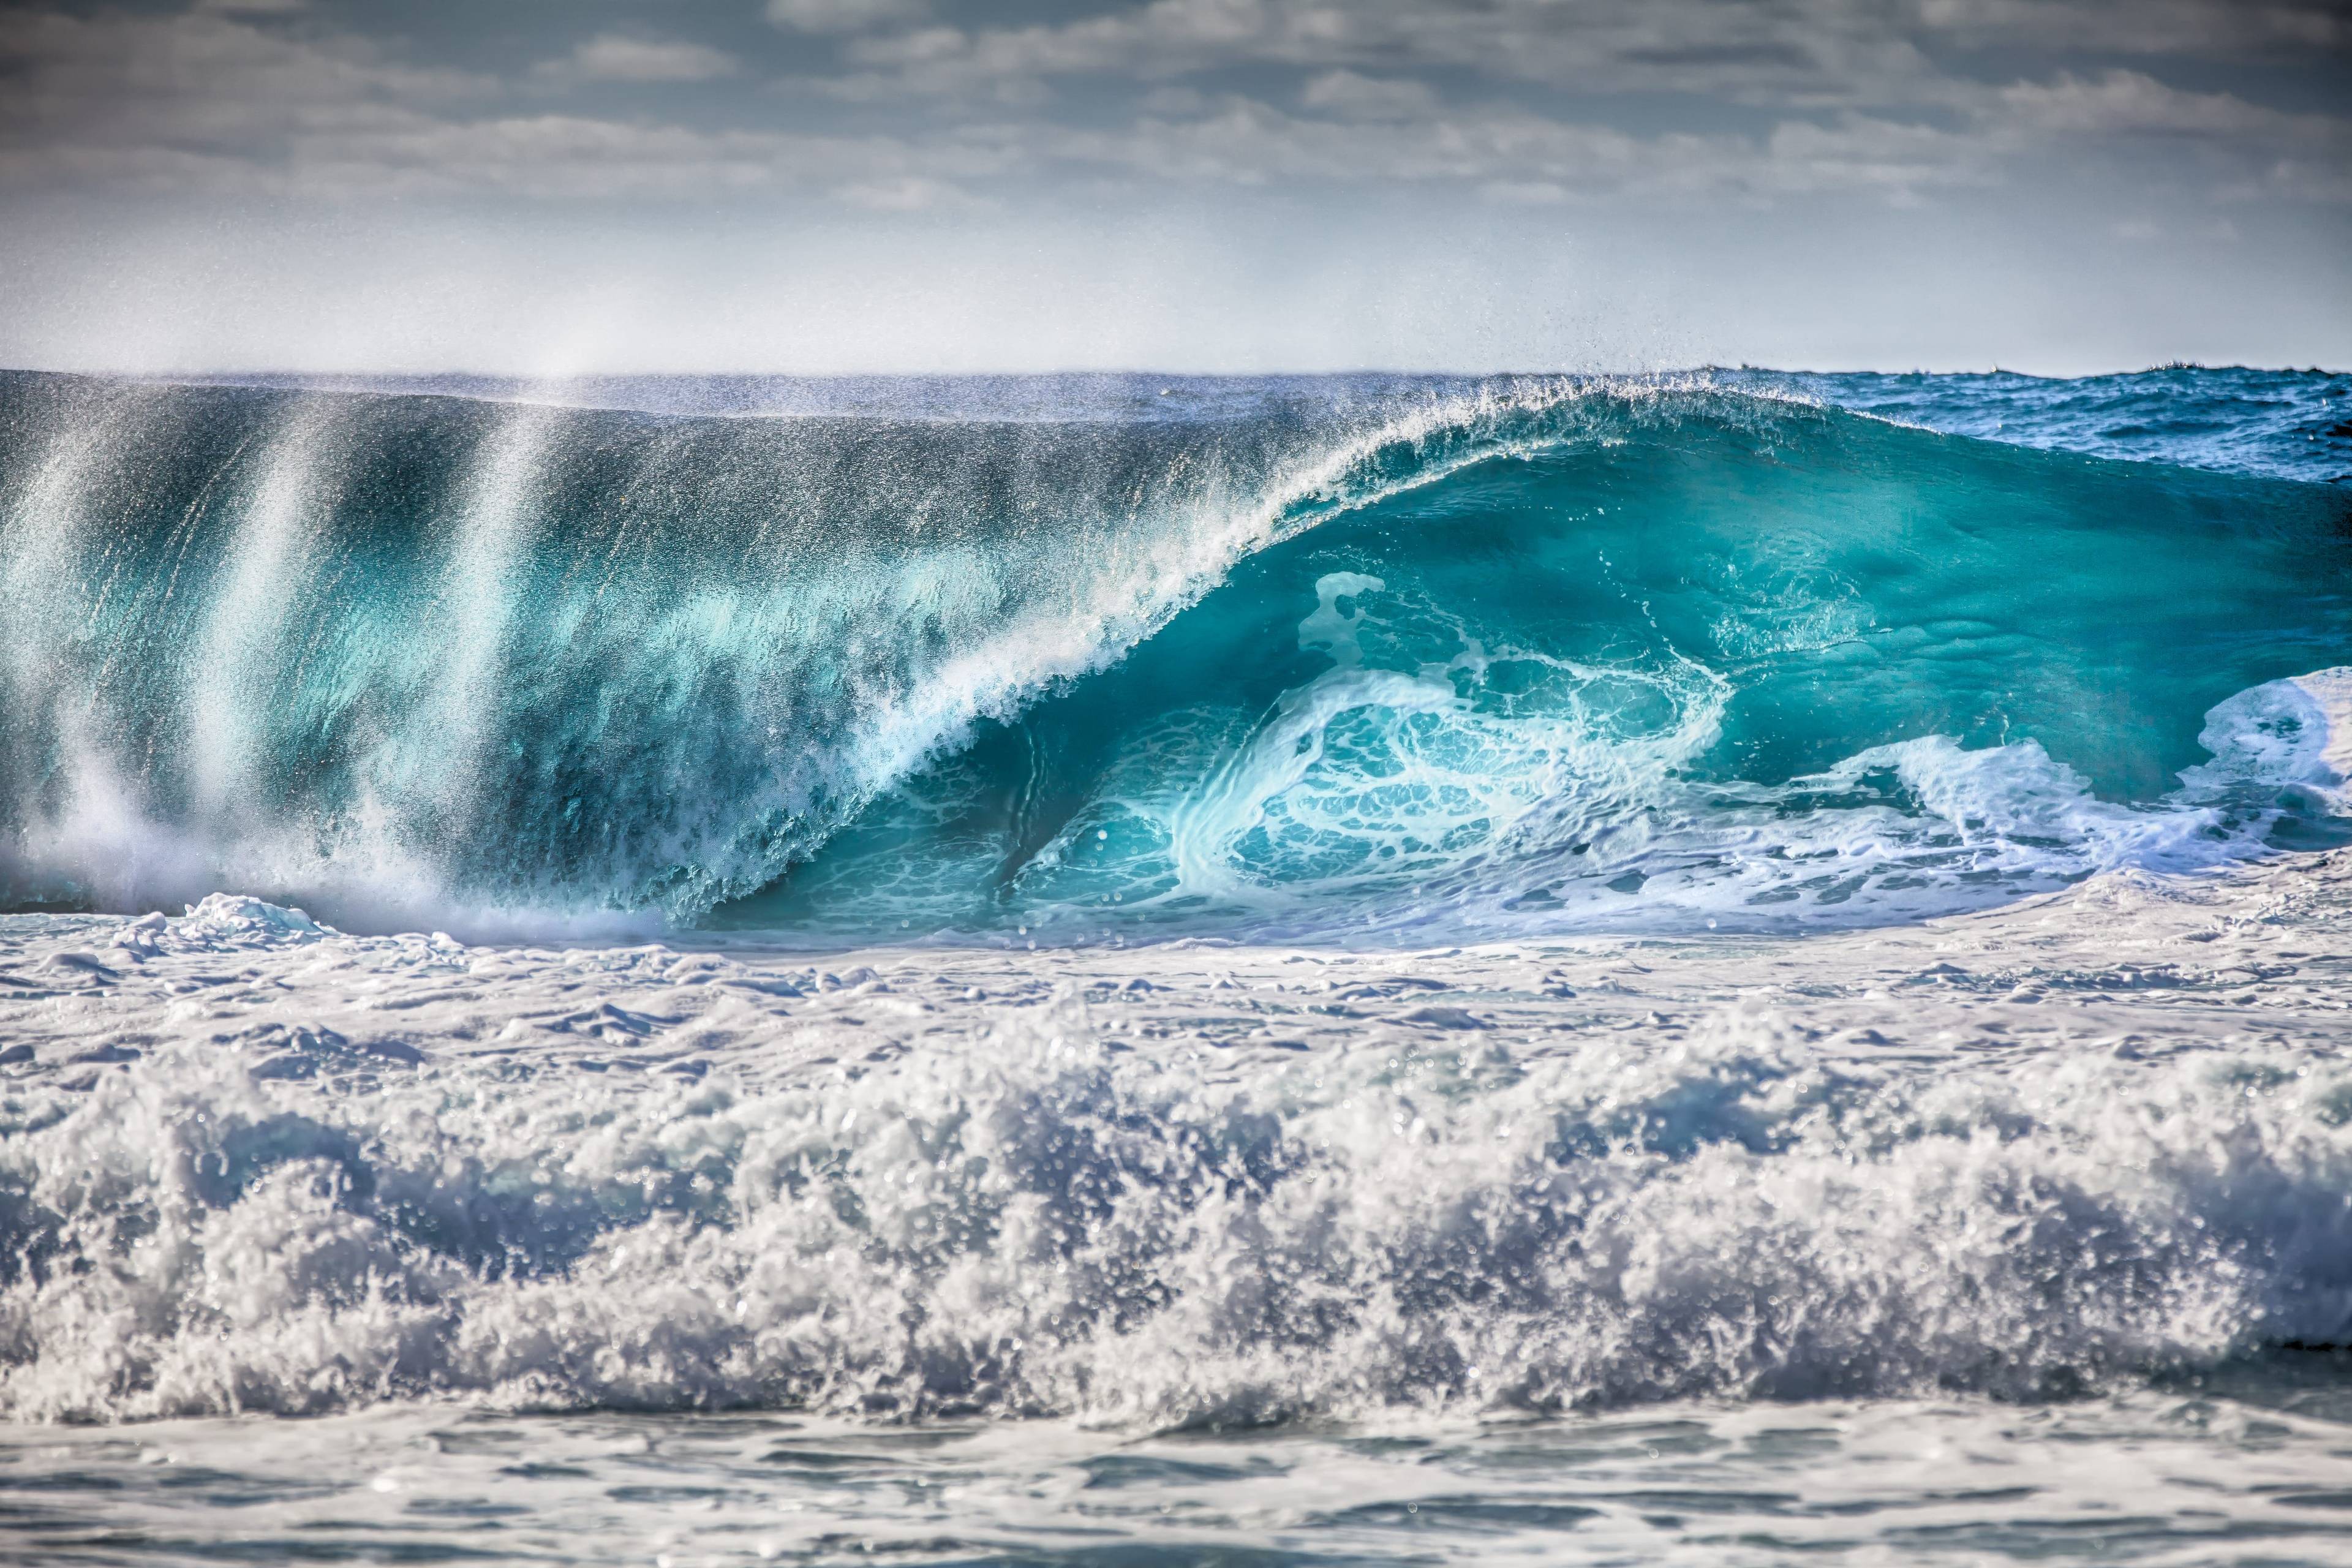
x: 2075, y: 1142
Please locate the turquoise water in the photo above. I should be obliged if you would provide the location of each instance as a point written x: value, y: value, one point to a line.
x: 1368, y: 659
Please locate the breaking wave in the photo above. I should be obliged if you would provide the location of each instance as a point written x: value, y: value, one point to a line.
x: 1044, y: 1220
x: 1316, y: 661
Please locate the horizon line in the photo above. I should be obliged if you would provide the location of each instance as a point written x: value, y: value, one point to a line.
x: 1141, y: 373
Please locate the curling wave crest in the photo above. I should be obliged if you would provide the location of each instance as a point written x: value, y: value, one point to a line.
x: 1325, y: 661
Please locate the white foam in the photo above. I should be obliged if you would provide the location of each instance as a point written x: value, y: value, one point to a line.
x: 2293, y: 735
x: 2030, y: 1153
x: 2330, y: 691
x: 1383, y: 800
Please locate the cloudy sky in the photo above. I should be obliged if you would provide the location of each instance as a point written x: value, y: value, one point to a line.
x: 553, y: 186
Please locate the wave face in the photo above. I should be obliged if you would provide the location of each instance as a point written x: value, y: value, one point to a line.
x: 1314, y: 659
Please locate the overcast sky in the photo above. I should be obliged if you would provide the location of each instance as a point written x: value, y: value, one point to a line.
x: 556, y: 186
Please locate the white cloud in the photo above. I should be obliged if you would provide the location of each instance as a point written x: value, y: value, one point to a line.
x: 1743, y: 48
x: 1517, y: 157
x: 1353, y: 97
x: 1585, y: 133
x: 2126, y: 102
x: 201, y: 100
x: 842, y: 16
x: 2225, y: 28
x: 615, y: 57
x: 1524, y: 192
x: 921, y: 47
x: 2247, y: 151
x: 173, y: 105
x: 902, y: 193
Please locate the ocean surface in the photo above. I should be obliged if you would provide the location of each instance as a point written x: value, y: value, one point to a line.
x: 1737, y: 966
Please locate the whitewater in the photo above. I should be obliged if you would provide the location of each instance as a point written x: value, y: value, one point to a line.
x: 1725, y: 967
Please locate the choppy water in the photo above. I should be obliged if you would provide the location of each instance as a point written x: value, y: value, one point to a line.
x: 2189, y: 1477
x: 317, y: 1247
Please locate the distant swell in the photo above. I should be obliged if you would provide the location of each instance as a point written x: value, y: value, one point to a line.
x: 1525, y: 654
